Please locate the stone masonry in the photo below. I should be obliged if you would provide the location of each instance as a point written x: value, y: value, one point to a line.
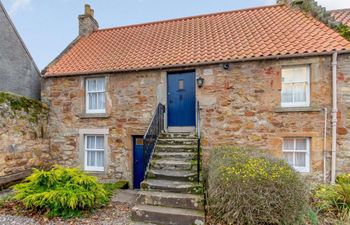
x: 131, y: 100
x: 239, y: 106
x: 23, y: 144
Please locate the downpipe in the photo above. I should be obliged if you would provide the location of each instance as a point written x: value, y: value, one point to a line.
x: 334, y: 117
x: 325, y: 147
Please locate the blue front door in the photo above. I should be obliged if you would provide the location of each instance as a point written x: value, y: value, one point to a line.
x: 181, y: 99
x: 139, y: 172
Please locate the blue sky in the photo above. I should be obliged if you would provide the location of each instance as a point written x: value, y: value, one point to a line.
x: 48, y: 26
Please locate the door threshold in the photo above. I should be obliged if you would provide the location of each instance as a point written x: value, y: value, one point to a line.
x: 181, y: 129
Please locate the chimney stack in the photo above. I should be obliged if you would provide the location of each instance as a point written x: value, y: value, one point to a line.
x: 87, y: 22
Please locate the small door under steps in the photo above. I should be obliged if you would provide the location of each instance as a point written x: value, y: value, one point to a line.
x: 170, y: 193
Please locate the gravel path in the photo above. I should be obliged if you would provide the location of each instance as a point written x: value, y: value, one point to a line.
x: 16, y: 220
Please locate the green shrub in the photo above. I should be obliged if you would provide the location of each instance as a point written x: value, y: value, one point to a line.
x: 334, y: 200
x: 247, y: 187
x: 61, y: 192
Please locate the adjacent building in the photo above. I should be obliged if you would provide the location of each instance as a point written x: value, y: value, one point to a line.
x: 18, y: 72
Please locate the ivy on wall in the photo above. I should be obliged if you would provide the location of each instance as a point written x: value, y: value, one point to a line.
x: 344, y: 31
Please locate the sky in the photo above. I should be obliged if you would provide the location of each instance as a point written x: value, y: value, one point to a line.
x: 48, y: 26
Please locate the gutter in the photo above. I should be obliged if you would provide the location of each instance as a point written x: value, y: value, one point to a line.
x: 325, y: 146
x: 334, y: 117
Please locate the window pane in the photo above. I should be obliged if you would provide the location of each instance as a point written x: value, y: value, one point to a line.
x: 100, y: 159
x: 91, y: 85
x: 287, y: 75
x: 287, y: 93
x: 101, y: 100
x: 300, y: 159
x: 99, y: 142
x: 91, y: 158
x: 300, y: 74
x: 300, y: 92
x: 90, y: 142
x: 288, y: 156
x: 288, y: 144
x: 301, y: 144
x: 100, y: 84
x: 93, y: 101
x: 181, y: 84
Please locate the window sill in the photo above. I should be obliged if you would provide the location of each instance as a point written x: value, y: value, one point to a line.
x: 297, y: 109
x: 95, y: 173
x: 94, y: 115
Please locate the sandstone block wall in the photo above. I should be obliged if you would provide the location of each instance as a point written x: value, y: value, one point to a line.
x: 239, y: 106
x: 343, y: 129
x: 131, y: 101
x: 23, y: 144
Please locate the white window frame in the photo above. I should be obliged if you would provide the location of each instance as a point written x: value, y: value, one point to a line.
x: 297, y: 104
x: 88, y: 99
x: 94, y: 168
x: 305, y: 169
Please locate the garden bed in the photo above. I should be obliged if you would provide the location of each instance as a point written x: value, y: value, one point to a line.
x: 63, y: 196
x: 13, y: 212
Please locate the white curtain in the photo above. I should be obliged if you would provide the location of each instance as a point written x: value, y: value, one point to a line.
x: 96, y: 93
x: 288, y: 144
x: 300, y: 159
x: 295, y: 84
x: 95, y: 151
x: 288, y: 156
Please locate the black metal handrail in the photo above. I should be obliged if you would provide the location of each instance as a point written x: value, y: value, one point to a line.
x: 154, y: 129
x: 198, y: 142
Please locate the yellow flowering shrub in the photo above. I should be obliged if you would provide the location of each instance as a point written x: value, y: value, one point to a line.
x: 334, y: 200
x: 248, y: 187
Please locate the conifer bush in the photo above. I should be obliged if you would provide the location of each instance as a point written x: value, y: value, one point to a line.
x: 247, y: 187
x: 64, y: 192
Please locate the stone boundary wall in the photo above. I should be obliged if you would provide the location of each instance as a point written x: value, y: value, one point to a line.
x: 23, y: 144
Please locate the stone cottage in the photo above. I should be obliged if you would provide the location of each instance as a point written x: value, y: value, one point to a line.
x: 272, y: 78
x: 18, y: 71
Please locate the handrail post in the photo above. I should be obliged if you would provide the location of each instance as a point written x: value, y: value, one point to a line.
x: 198, y: 142
x: 152, y: 133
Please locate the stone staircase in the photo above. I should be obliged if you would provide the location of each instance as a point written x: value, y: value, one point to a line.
x: 170, y: 194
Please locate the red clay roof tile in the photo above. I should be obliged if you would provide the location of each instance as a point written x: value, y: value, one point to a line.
x: 341, y: 15
x: 234, y: 35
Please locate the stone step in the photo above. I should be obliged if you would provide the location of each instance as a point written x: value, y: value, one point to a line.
x: 177, y: 141
x: 166, y: 215
x: 191, y: 135
x: 172, y: 186
x: 176, y: 148
x: 173, y: 164
x: 174, y: 200
x: 176, y: 175
x: 183, y: 156
x: 141, y: 223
